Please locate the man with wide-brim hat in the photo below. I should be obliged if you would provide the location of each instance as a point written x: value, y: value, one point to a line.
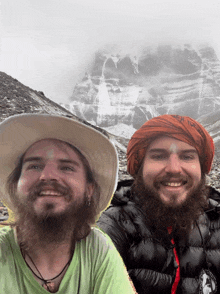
x: 57, y: 176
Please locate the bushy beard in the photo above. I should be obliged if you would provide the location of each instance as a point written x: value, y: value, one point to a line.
x: 180, y: 217
x: 48, y: 227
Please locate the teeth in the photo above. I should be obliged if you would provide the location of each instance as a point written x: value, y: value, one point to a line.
x: 50, y: 193
x: 174, y: 184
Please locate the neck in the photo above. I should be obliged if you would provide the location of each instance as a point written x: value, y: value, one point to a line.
x: 50, y: 253
x: 46, y: 249
x: 49, y: 263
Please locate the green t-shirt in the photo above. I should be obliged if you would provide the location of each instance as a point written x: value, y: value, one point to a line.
x: 96, y: 267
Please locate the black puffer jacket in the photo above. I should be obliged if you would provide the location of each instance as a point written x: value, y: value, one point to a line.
x: 150, y: 260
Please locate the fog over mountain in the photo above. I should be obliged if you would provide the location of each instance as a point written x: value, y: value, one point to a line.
x: 122, y: 91
x: 48, y: 45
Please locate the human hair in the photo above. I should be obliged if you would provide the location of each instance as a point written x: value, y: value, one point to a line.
x: 88, y: 214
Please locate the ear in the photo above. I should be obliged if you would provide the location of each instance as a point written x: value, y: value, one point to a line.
x: 89, y: 190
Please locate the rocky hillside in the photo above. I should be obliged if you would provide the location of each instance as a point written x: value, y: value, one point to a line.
x: 16, y: 98
x: 127, y: 89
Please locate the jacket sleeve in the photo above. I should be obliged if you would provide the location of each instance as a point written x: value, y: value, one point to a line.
x: 111, y: 223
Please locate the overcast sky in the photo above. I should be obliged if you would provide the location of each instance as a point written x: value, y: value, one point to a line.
x: 48, y: 44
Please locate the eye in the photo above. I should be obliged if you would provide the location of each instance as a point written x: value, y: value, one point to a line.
x: 187, y: 157
x: 159, y: 156
x: 67, y: 168
x: 34, y: 167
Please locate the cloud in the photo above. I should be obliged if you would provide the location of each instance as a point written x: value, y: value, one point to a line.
x: 48, y: 45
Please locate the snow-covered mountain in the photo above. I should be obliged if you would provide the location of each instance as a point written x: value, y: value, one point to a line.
x: 122, y: 91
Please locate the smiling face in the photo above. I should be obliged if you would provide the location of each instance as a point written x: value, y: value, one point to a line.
x: 52, y: 178
x: 171, y: 168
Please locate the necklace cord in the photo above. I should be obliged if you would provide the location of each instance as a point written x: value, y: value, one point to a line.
x: 41, y: 277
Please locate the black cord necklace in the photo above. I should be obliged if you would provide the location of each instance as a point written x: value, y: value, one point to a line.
x: 47, y: 284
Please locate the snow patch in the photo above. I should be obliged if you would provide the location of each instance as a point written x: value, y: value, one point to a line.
x: 121, y: 130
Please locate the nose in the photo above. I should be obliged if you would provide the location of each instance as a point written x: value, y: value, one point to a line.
x: 173, y: 164
x: 49, y: 173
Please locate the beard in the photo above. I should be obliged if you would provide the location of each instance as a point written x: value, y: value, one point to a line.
x: 52, y: 228
x: 159, y: 215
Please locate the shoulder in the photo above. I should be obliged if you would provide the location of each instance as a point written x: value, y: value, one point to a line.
x: 123, y: 224
x: 97, y: 235
x: 97, y: 239
x: 5, y: 234
x: 98, y: 246
x: 120, y: 222
x: 122, y: 211
x: 108, y: 267
x: 6, y: 239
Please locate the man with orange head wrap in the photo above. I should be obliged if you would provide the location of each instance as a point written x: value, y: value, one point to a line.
x: 166, y: 222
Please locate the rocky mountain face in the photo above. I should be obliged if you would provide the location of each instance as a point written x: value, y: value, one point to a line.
x: 121, y: 91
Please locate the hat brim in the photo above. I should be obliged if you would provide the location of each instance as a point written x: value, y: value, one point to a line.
x: 19, y: 132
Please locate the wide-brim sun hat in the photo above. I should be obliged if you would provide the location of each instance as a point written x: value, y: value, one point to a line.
x: 19, y: 132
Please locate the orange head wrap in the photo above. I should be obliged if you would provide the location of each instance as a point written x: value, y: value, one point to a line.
x: 179, y: 127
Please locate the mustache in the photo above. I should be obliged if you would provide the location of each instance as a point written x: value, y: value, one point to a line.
x: 36, y: 189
